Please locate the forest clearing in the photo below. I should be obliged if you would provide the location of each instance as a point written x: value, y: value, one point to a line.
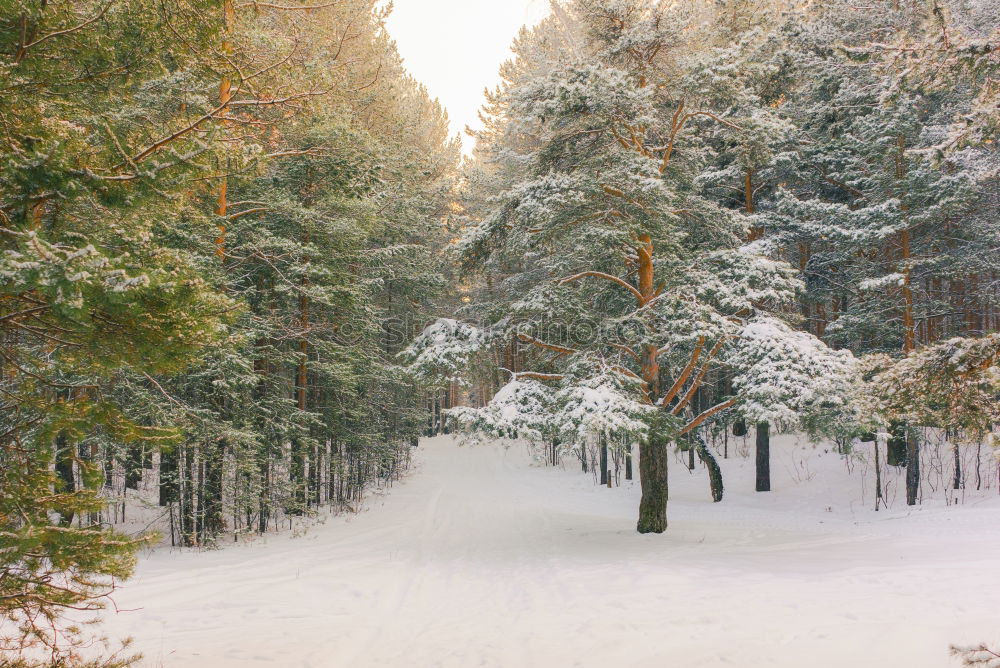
x: 485, y: 556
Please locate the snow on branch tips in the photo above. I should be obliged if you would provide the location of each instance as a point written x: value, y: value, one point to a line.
x: 951, y: 385
x: 521, y: 409
x: 781, y: 374
x: 443, y: 351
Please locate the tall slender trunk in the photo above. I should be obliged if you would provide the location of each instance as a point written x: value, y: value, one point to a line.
x: 878, y: 478
x: 957, y: 483
x: 909, y: 328
x: 213, y: 518
x: 763, y: 457
x: 912, y: 468
x: 605, y: 479
x: 225, y: 95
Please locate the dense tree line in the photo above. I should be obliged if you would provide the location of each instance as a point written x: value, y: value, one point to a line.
x: 686, y: 217
x: 219, y: 223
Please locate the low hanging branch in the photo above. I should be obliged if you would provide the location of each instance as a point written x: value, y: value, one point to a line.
x: 534, y: 375
x: 562, y: 350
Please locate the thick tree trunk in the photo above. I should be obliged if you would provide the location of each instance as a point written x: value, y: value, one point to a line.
x: 912, y: 469
x: 653, y: 480
x: 763, y: 457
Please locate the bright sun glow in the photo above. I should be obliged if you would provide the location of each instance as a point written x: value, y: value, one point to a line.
x: 455, y: 47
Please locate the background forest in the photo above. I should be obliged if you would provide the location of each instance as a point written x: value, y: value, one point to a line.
x: 218, y: 221
x: 224, y: 226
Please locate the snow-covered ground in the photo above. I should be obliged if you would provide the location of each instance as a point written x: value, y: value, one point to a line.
x: 483, y: 558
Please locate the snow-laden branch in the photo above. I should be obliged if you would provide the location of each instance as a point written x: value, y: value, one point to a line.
x: 608, y: 277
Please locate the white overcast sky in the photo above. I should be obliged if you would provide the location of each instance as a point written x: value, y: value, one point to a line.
x: 455, y: 47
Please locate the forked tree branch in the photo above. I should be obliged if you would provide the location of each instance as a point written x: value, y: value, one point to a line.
x: 697, y: 422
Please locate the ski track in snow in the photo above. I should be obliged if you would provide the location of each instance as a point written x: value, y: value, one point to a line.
x: 480, y: 558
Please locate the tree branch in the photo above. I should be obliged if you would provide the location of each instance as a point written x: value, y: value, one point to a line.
x: 679, y: 383
x: 609, y: 277
x: 701, y: 375
x: 695, y: 423
x: 562, y: 350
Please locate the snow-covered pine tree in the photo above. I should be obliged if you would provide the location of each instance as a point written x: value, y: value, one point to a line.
x: 619, y: 263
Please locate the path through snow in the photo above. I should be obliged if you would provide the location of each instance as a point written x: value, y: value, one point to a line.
x: 481, y: 559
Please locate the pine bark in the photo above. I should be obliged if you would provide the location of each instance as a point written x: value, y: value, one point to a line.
x: 763, y: 457
x: 714, y: 471
x: 605, y: 478
x: 653, y: 480
x: 912, y: 469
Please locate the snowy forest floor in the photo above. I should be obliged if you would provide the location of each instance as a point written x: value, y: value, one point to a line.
x: 482, y: 557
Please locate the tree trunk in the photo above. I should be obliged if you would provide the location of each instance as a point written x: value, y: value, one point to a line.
x: 909, y: 326
x: 628, y: 463
x: 957, y: 484
x: 878, y: 479
x: 763, y: 457
x: 653, y: 480
x: 605, y: 478
x: 714, y: 472
x: 214, y: 521
x: 64, y: 470
x: 912, y: 469
x: 264, y: 502
x: 225, y: 95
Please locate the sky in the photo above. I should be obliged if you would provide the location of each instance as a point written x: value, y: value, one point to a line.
x: 456, y: 47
